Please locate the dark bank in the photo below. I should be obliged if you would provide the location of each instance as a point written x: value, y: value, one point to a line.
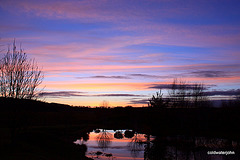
x: 37, y: 130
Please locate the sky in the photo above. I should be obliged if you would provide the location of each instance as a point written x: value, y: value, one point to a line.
x: 122, y: 51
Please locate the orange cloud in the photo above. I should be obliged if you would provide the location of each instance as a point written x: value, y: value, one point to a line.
x: 98, y: 86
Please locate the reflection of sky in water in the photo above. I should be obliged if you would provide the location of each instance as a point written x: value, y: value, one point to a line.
x: 119, y: 148
x: 168, y: 147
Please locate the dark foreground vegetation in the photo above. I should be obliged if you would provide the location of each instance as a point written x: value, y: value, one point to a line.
x: 37, y: 130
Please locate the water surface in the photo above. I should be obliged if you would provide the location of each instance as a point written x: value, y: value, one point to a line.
x: 106, y: 145
x: 128, y: 145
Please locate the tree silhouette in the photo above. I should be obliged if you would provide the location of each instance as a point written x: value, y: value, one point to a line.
x: 104, y: 140
x: 199, y: 99
x: 181, y: 95
x: 19, y: 76
x: 158, y: 100
x: 237, y: 97
x: 135, y: 145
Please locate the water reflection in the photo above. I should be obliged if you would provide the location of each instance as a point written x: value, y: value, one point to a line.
x: 119, y: 144
x: 108, y: 144
x: 136, y: 145
x: 104, y: 139
x: 83, y: 138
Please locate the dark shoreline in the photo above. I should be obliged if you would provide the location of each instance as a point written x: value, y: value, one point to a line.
x: 22, y: 121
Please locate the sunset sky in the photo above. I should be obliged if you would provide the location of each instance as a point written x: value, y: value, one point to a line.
x: 123, y: 51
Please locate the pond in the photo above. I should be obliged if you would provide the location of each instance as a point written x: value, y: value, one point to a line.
x: 127, y: 145
x: 110, y: 144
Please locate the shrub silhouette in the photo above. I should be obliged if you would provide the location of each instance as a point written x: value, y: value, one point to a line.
x: 118, y: 135
x: 158, y: 100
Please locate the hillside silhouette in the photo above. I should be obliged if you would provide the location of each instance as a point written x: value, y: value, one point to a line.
x: 11, y: 104
x: 178, y: 119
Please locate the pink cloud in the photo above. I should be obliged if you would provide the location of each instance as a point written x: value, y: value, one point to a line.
x: 76, y: 67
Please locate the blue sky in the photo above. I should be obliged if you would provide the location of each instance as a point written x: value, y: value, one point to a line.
x: 96, y: 50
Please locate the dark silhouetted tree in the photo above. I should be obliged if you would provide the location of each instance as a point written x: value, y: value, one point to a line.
x: 104, y: 104
x: 181, y: 95
x: 19, y: 76
x: 238, y: 97
x: 158, y: 100
x: 199, y: 99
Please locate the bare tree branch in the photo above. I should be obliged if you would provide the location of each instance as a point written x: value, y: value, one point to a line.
x: 19, y: 75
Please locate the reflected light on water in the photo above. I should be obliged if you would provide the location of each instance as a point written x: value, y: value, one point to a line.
x: 103, y: 145
x: 124, y: 144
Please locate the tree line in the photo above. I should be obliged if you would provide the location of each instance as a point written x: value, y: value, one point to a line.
x: 181, y: 95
